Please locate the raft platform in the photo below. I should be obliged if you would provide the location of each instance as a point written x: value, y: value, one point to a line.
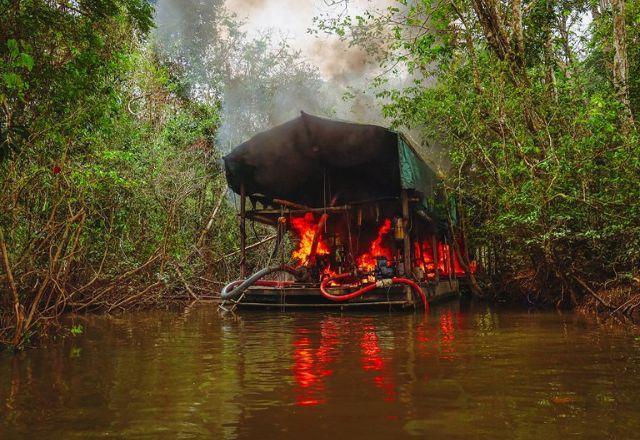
x: 309, y: 296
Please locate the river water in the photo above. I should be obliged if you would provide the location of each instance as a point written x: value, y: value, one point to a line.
x: 459, y: 373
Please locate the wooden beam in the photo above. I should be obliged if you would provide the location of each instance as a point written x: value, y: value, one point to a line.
x: 288, y: 204
x: 452, y: 259
x: 270, y: 221
x: 243, y: 232
x: 406, y: 248
x: 278, y: 212
x: 434, y: 246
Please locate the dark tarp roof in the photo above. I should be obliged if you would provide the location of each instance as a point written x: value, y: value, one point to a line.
x: 310, y: 159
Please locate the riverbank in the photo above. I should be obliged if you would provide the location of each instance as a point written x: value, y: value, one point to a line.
x: 620, y: 303
x: 616, y: 300
x: 617, y: 305
x: 112, y: 298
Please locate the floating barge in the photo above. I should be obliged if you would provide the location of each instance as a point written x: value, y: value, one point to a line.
x: 308, y: 297
x: 364, y: 212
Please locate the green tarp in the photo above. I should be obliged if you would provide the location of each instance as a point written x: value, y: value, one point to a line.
x: 416, y: 175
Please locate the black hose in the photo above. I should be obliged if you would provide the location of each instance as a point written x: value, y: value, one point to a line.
x: 230, y: 292
x: 279, y: 236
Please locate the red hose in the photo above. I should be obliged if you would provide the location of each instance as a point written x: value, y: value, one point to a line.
x: 348, y: 296
x: 415, y: 288
x: 339, y: 298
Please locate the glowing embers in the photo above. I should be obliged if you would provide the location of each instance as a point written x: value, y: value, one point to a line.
x: 367, y: 261
x: 327, y: 272
x: 306, y: 228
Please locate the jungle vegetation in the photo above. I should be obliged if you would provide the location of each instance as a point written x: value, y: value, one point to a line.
x: 111, y: 191
x: 537, y: 103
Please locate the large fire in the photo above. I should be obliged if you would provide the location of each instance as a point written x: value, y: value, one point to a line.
x: 424, y: 258
x: 423, y: 253
x: 367, y: 261
x: 309, y: 228
x: 306, y: 228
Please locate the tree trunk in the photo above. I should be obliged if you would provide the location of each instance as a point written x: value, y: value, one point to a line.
x: 18, y: 310
x: 549, y: 61
x: 620, y: 59
x: 495, y: 32
x: 493, y: 27
x: 474, y: 61
x: 517, y: 32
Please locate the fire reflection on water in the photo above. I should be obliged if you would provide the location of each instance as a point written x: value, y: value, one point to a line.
x: 373, y: 361
x: 446, y: 375
x: 313, y: 365
x: 447, y: 336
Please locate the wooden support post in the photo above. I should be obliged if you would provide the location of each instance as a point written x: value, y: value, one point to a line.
x: 452, y: 260
x: 436, y: 260
x: 406, y: 249
x: 406, y: 242
x: 243, y: 232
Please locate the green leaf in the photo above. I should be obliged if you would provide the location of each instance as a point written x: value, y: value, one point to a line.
x: 12, y: 81
x: 76, y: 330
x: 13, y: 47
x: 25, y: 60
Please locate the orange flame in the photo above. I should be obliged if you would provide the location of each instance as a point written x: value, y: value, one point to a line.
x: 367, y: 261
x: 424, y: 259
x: 305, y: 228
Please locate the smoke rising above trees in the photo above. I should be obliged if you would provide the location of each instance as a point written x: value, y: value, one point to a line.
x: 537, y: 103
x: 262, y: 78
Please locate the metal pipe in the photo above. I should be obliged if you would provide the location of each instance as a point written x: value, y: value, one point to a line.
x: 235, y: 288
x: 243, y: 232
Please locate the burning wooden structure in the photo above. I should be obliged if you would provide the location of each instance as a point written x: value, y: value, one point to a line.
x: 364, y: 209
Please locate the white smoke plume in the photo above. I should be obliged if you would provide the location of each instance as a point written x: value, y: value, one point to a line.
x: 258, y: 57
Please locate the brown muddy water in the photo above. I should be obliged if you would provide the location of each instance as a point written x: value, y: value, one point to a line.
x: 459, y: 373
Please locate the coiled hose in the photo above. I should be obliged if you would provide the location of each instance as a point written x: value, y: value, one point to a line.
x: 380, y: 283
x: 235, y: 288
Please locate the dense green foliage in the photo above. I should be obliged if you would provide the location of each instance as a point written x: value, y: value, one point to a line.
x: 108, y: 172
x: 111, y: 190
x: 543, y: 145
